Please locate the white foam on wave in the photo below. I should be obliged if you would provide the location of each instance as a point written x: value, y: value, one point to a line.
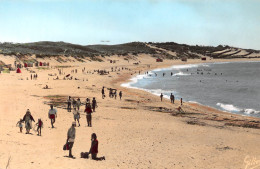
x: 180, y: 74
x: 228, y: 107
x: 232, y: 108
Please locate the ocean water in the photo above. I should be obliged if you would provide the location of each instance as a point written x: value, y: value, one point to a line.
x: 232, y: 87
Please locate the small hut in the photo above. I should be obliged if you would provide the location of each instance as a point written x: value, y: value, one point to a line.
x: 25, y: 65
x: 40, y: 63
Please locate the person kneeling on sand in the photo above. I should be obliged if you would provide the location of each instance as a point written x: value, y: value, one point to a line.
x: 94, y: 148
x: 71, y: 137
x: 76, y: 115
x: 52, y: 115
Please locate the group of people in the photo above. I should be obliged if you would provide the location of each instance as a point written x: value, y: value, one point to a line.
x: 28, y: 119
x: 112, y: 93
x: 34, y: 76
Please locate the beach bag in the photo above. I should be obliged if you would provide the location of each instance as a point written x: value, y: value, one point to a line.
x: 84, y: 155
x: 66, y: 146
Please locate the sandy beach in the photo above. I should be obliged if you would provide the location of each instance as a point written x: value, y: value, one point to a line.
x: 138, y: 131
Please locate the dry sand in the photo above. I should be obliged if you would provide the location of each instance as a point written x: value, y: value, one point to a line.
x: 139, y: 131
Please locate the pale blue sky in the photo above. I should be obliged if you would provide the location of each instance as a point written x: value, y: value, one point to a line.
x: 202, y: 22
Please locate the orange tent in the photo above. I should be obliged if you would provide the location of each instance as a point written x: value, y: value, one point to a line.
x: 18, y: 70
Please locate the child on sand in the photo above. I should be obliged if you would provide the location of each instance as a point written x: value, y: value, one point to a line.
x: 20, y: 125
x: 39, y: 128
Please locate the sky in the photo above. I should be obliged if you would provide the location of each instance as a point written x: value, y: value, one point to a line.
x: 195, y: 22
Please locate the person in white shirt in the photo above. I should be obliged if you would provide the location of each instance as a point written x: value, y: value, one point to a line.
x: 52, y: 115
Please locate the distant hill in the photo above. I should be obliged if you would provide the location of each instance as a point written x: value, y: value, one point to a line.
x: 170, y: 50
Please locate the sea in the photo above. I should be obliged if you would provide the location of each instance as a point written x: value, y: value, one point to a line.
x: 233, y: 87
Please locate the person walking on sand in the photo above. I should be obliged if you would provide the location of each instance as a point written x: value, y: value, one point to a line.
x: 74, y: 103
x: 28, y: 118
x: 161, y: 96
x: 71, y: 137
x: 94, y: 104
x: 172, y: 98
x: 78, y: 103
x: 76, y: 115
x: 88, y: 116
x: 52, y: 115
x: 120, y: 94
x: 20, y: 125
x: 103, y: 92
x: 39, y: 128
x: 69, y: 104
x: 94, y: 148
x: 115, y: 94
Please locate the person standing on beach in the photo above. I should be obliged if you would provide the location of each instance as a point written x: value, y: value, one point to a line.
x: 161, y: 96
x: 76, y: 115
x: 31, y: 76
x: 20, y: 125
x: 103, y: 92
x: 71, y: 137
x: 28, y: 118
x: 120, y: 94
x: 94, y: 148
x: 94, y: 104
x: 69, y: 104
x: 88, y: 116
x: 74, y: 103
x: 78, y: 103
x: 181, y: 101
x: 52, y: 115
x: 172, y: 98
x: 39, y: 128
x: 115, y: 94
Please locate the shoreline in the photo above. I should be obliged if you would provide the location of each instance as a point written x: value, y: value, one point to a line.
x: 135, y: 78
x: 191, y: 105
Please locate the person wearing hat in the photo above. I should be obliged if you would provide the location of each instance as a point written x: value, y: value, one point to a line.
x: 28, y: 118
x: 71, y: 137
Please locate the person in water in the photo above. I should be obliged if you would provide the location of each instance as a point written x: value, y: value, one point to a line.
x: 94, y: 148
